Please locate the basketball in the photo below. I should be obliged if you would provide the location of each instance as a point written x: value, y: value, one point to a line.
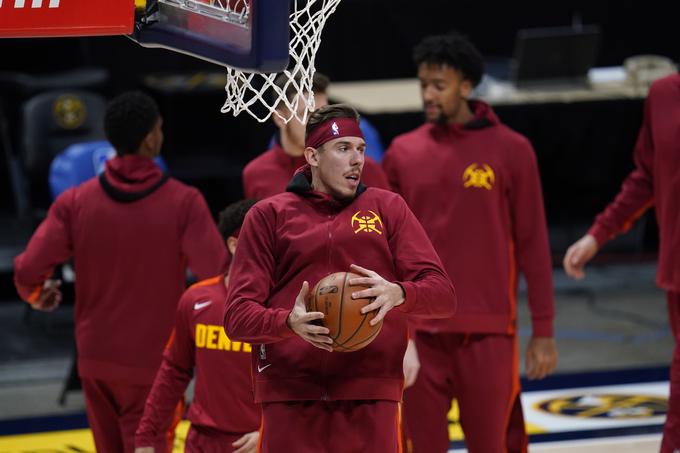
x: 349, y: 328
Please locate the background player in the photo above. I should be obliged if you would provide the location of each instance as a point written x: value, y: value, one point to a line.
x: 131, y: 233
x: 655, y: 181
x: 474, y: 185
x: 223, y: 416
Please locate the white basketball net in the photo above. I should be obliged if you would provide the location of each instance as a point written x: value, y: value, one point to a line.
x: 252, y: 92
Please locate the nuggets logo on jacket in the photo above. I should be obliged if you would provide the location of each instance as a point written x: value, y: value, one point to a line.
x: 479, y: 177
x: 367, y: 223
x: 608, y: 406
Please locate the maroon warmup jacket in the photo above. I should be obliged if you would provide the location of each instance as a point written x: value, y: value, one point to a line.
x: 131, y: 233
x: 476, y: 190
x: 305, y: 235
x: 269, y: 173
x: 223, y: 395
x: 655, y: 181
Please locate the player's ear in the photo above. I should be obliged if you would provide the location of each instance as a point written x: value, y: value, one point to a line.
x: 312, y: 156
x: 466, y: 88
x: 280, y: 122
x: 231, y: 245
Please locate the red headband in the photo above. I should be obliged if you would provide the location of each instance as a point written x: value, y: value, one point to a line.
x: 332, y: 129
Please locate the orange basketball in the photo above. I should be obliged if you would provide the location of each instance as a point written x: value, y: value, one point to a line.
x: 349, y: 328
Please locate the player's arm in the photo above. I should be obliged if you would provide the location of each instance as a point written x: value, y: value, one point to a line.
x: 423, y: 288
x: 202, y: 244
x: 171, y: 381
x: 532, y: 248
x: 246, y: 317
x: 634, y: 198
x: 50, y: 245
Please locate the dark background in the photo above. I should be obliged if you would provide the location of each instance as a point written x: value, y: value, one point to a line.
x: 584, y: 149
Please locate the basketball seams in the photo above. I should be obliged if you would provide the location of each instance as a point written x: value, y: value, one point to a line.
x: 342, y: 302
x: 352, y: 347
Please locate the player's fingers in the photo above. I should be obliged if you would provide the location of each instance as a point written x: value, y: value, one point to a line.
x: 362, y: 270
x: 366, y: 293
x: 317, y: 330
x: 363, y: 281
x: 375, y: 305
x: 303, y: 292
x: 310, y: 316
x: 381, y: 314
x: 324, y: 346
x: 241, y: 441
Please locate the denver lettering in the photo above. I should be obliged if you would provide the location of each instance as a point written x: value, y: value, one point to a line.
x: 213, y: 337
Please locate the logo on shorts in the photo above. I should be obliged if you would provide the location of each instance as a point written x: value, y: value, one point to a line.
x: 367, y: 223
x: 335, y: 129
x: 606, y: 405
x: 479, y: 177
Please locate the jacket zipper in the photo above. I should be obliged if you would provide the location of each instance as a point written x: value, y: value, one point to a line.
x: 324, y: 388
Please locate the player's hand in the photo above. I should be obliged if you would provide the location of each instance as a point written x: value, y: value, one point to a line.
x: 541, y: 359
x: 578, y: 255
x: 50, y: 296
x: 411, y: 364
x: 302, y: 322
x: 387, y: 294
x: 247, y: 443
x: 144, y: 450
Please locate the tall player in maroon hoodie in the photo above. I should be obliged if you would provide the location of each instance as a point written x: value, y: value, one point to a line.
x: 474, y: 185
x: 131, y: 232
x: 655, y: 181
x: 269, y: 173
x: 223, y: 416
x: 314, y: 400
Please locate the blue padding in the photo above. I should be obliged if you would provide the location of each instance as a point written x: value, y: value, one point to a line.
x: 80, y: 162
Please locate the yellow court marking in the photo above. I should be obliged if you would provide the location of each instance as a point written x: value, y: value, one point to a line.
x: 456, y: 432
x: 72, y: 441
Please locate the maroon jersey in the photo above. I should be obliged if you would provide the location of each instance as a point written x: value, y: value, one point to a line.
x: 476, y: 190
x: 654, y: 182
x: 131, y: 234
x: 306, y: 235
x: 269, y: 173
x: 223, y: 395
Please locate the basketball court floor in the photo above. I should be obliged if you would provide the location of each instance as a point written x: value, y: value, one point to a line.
x: 609, y: 394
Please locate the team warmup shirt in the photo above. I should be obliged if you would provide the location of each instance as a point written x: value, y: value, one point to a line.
x: 306, y: 235
x: 223, y: 395
x: 476, y: 190
x: 269, y: 173
x: 655, y: 181
x: 131, y: 234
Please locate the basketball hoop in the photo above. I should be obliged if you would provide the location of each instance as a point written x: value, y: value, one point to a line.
x: 256, y: 93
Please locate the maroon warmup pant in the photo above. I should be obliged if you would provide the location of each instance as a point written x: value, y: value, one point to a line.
x: 114, y: 410
x: 331, y: 427
x: 671, y: 430
x: 481, y: 372
x: 203, y: 440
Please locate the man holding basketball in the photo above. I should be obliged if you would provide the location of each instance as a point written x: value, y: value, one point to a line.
x: 131, y: 233
x: 327, y: 221
x: 474, y: 185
